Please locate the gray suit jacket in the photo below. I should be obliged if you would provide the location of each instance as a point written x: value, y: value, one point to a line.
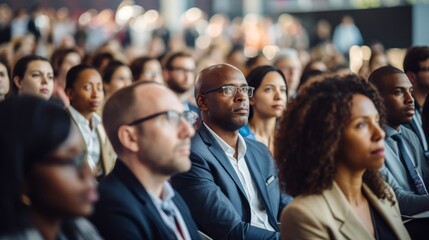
x: 397, y: 176
x: 215, y: 195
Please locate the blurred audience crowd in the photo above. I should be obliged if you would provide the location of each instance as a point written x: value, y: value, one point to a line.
x: 115, y: 127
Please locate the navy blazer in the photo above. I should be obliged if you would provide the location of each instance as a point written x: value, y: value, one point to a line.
x: 216, y: 197
x: 126, y: 211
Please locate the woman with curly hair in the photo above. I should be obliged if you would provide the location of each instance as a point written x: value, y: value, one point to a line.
x: 329, y: 150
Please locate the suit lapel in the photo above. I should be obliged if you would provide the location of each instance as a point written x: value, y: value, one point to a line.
x: 258, y: 179
x: 349, y: 224
x: 220, y: 155
x: 384, y: 210
x: 149, y: 209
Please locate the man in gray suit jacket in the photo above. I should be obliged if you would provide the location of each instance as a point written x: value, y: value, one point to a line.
x: 232, y: 188
x: 396, y: 90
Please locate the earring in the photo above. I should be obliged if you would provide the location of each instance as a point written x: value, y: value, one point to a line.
x: 25, y: 200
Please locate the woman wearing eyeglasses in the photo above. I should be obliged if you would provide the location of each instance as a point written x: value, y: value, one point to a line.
x: 266, y: 105
x: 46, y: 185
x: 84, y: 87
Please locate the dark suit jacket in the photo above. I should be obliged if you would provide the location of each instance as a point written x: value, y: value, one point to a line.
x: 126, y: 211
x: 216, y: 196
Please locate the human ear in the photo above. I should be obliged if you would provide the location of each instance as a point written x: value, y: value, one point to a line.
x: 128, y: 137
x: 17, y: 82
x: 201, y: 102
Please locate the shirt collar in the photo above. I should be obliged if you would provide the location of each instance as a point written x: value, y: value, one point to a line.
x: 390, y: 131
x: 167, y: 194
x: 228, y: 149
x: 79, y: 118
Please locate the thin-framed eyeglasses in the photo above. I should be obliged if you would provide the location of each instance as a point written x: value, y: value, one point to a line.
x: 172, y: 116
x: 182, y: 70
x: 77, y: 161
x: 231, y: 91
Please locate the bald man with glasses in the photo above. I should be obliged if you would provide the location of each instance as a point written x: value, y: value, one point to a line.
x: 151, y: 132
x: 232, y: 188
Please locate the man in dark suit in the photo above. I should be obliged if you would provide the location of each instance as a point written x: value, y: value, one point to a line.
x: 416, y: 66
x: 232, y: 188
x: 406, y: 169
x: 151, y: 134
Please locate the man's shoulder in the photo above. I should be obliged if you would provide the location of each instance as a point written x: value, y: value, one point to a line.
x: 408, y: 133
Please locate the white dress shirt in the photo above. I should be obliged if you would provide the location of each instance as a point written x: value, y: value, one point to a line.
x: 167, y: 198
x: 89, y: 135
x: 259, y: 217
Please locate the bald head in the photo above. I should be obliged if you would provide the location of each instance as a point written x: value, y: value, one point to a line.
x: 213, y: 76
x: 130, y: 103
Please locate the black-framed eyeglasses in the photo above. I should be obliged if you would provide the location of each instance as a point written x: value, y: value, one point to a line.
x: 172, y: 116
x: 77, y: 161
x: 231, y: 91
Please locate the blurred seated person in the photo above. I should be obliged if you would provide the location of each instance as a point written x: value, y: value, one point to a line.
x: 288, y: 62
x: 5, y: 78
x: 334, y: 150
x: 84, y: 88
x: 62, y: 60
x: 32, y: 75
x: 151, y: 133
x: 147, y: 69
x: 407, y: 169
x: 116, y: 76
x: 266, y: 105
x: 47, y: 186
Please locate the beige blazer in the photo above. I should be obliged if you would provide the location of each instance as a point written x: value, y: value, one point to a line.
x: 330, y: 216
x: 107, y: 154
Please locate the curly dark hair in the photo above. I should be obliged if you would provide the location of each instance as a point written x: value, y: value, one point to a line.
x: 310, y: 133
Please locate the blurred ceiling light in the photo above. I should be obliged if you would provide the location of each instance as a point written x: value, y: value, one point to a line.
x: 251, y: 18
x: 203, y: 42
x: 250, y: 52
x: 365, y: 3
x: 214, y: 30
x: 86, y: 17
x: 126, y: 11
x: 193, y: 14
x: 270, y: 51
x: 151, y: 16
x: 366, y: 53
x: 138, y: 24
x: 356, y: 55
x: 42, y: 21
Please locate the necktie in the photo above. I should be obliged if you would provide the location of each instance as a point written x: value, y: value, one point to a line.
x: 169, y: 211
x: 418, y: 183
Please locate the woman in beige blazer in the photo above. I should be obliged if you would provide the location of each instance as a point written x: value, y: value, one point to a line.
x: 329, y: 150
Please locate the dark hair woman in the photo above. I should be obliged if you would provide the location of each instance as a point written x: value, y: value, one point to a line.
x: 32, y: 75
x: 46, y: 183
x: 266, y: 105
x: 329, y: 149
